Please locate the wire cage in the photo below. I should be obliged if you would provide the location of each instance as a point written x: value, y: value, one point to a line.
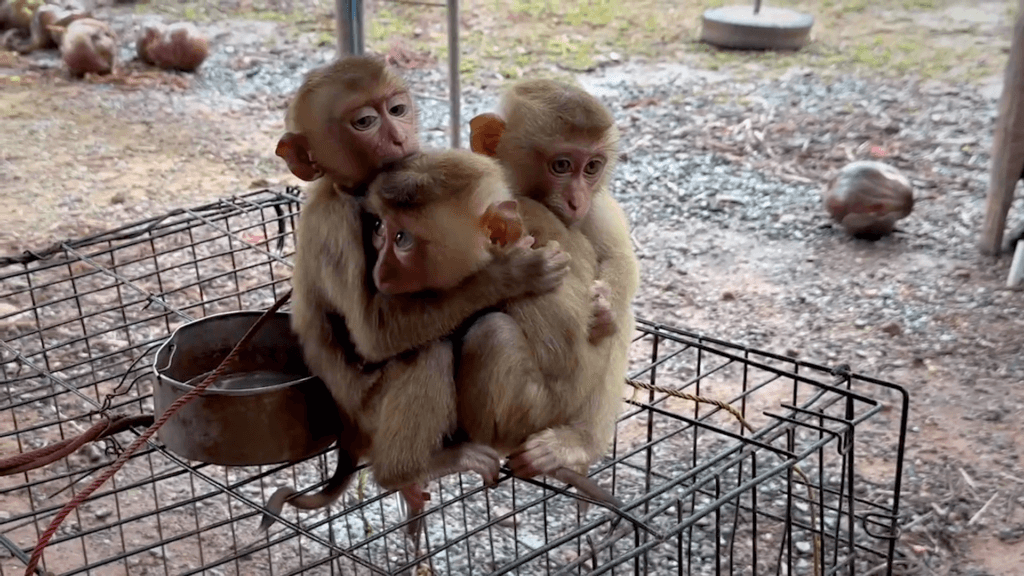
x: 811, y: 487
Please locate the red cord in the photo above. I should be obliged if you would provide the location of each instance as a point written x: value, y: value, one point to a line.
x: 37, y: 553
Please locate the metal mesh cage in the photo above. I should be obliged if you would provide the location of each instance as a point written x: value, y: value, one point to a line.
x: 79, y: 322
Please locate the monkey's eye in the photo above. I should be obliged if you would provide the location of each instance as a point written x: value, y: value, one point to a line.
x: 398, y: 105
x: 593, y: 167
x: 364, y: 122
x: 378, y: 227
x: 403, y: 240
x: 561, y: 166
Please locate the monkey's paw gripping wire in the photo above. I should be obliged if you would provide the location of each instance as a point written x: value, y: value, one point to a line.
x: 743, y: 422
x: 44, y: 539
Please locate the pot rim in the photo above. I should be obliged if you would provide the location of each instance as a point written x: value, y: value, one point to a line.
x: 185, y: 386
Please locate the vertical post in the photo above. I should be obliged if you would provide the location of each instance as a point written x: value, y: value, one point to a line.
x: 349, y: 18
x: 1007, y: 145
x: 454, y: 90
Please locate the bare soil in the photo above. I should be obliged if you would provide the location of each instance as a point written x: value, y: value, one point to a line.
x: 78, y: 156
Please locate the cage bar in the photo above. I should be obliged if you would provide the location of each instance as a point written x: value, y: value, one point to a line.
x: 78, y: 332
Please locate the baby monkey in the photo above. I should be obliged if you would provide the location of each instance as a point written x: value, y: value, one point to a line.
x: 384, y: 357
x: 558, y: 145
x: 521, y: 370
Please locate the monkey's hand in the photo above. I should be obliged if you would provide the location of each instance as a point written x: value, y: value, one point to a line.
x: 602, y: 317
x: 521, y: 270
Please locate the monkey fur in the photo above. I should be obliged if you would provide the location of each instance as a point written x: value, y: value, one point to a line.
x: 521, y: 368
x: 558, y: 145
x: 348, y: 120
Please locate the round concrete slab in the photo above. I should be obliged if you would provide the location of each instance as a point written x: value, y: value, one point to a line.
x: 769, y: 29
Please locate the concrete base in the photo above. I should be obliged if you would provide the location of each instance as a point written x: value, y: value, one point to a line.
x: 769, y: 29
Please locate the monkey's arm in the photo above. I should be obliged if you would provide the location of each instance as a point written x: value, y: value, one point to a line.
x: 383, y: 326
x: 608, y: 230
x: 387, y: 325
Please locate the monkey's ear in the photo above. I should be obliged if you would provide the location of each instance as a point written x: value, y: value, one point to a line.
x: 294, y: 148
x: 485, y: 132
x: 502, y: 222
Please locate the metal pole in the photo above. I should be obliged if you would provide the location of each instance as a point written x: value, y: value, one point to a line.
x: 349, y: 17
x: 454, y: 91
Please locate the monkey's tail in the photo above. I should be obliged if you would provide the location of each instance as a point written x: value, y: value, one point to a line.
x: 333, y: 490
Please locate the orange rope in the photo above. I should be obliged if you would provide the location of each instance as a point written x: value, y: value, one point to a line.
x: 37, y: 553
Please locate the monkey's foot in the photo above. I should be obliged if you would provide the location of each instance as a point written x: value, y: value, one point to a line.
x: 542, y: 454
x: 481, y: 459
x: 602, y: 318
x: 415, y: 501
x: 415, y: 496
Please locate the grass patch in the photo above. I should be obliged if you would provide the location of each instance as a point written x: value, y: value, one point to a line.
x: 924, y: 38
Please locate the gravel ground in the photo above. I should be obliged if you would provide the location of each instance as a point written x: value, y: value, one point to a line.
x: 720, y: 181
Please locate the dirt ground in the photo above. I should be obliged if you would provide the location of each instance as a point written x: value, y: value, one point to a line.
x: 81, y: 156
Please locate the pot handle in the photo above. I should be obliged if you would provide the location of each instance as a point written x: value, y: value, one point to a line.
x: 170, y: 358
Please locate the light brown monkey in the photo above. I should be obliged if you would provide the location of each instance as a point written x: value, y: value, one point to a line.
x: 40, y: 35
x: 178, y: 46
x: 437, y: 213
x: 867, y: 198
x: 558, y: 145
x: 87, y: 45
x: 348, y: 120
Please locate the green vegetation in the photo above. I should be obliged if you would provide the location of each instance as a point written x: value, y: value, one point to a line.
x: 510, y: 37
x: 922, y: 38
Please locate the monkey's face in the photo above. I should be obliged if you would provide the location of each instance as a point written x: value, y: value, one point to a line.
x: 404, y: 263
x: 425, y: 251
x: 370, y: 132
x: 572, y: 173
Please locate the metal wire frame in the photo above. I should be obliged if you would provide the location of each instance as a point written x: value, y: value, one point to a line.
x: 78, y: 326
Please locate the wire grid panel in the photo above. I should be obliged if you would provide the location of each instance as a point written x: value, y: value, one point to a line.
x: 704, y: 495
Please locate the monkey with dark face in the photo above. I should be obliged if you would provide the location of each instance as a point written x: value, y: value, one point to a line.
x: 347, y: 121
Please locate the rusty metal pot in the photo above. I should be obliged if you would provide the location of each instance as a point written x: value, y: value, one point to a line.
x: 267, y: 409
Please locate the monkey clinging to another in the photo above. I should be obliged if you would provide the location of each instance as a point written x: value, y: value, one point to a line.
x: 381, y: 356
x: 530, y: 367
x: 558, y: 145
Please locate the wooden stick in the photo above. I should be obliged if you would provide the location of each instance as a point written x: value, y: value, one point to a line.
x: 1007, y: 145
